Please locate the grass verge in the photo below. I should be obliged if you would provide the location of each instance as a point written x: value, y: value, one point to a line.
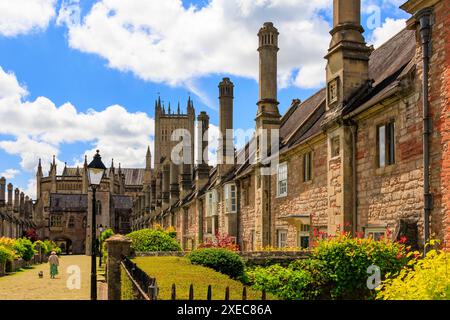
x: 169, y: 270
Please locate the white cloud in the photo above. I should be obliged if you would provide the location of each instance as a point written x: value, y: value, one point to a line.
x: 9, y: 173
x: 40, y: 129
x: 161, y: 41
x: 389, y: 28
x: 22, y: 16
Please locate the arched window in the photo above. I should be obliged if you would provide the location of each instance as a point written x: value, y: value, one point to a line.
x: 71, y: 223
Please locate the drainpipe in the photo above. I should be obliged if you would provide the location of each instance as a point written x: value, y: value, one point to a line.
x: 424, y: 19
x: 354, y: 130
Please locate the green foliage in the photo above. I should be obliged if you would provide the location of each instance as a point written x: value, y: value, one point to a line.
x: 106, y: 234
x: 52, y: 246
x: 345, y: 260
x: 337, y: 269
x: 6, y: 254
x: 221, y: 260
x: 24, y: 248
x: 428, y: 279
x: 148, y: 240
x: 42, y: 245
x: 286, y: 283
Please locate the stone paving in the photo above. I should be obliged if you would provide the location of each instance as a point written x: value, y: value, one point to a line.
x: 26, y: 284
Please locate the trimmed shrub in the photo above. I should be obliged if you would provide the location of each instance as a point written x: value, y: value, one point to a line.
x: 24, y: 248
x: 6, y: 254
x: 148, y: 240
x: 221, y: 260
x: 428, y: 279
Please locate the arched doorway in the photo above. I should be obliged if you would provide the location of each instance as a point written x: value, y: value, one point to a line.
x: 65, y: 244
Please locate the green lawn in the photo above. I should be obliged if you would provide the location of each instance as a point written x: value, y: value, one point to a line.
x: 169, y: 270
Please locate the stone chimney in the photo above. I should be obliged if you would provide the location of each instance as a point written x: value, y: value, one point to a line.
x: 202, y: 170
x: 10, y: 195
x: 225, y: 152
x: 16, y: 200
x: 2, y: 191
x: 166, y: 184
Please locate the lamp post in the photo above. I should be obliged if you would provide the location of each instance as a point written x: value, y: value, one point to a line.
x: 100, y: 229
x: 96, y: 169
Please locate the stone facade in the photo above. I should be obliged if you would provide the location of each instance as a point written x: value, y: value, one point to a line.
x: 63, y: 208
x: 351, y: 157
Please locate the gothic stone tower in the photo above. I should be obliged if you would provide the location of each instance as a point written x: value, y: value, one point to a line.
x: 165, y: 124
x: 347, y: 72
x: 268, y: 121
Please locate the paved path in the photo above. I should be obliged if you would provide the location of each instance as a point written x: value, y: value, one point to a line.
x: 26, y: 285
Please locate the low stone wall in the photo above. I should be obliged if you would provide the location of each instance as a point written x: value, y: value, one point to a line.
x: 257, y: 258
x: 161, y: 254
x: 266, y: 258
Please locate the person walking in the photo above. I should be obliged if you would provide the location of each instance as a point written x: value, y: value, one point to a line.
x: 53, y: 260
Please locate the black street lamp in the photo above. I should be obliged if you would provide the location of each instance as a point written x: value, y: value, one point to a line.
x: 96, y: 170
x: 100, y: 229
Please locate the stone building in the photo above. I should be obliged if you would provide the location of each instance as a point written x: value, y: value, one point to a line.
x: 64, y: 203
x: 368, y: 154
x: 16, y: 211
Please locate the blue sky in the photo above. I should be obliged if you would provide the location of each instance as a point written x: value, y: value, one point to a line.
x: 65, y: 60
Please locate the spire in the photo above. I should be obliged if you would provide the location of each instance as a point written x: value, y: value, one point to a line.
x: 78, y: 171
x: 148, y: 159
x: 39, y: 169
x: 65, y: 169
x: 85, y: 161
x: 112, y: 163
x: 169, y: 108
x: 178, y: 107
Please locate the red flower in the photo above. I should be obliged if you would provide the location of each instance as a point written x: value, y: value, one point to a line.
x: 403, y: 239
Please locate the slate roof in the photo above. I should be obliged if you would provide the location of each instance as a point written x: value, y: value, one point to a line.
x: 60, y: 202
x: 121, y: 202
x: 133, y: 176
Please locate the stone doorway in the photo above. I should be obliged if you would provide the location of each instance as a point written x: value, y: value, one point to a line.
x: 65, y: 245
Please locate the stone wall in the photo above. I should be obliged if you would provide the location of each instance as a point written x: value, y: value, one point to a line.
x: 308, y: 197
x: 439, y: 97
x: 247, y: 213
x: 265, y: 258
x: 387, y: 194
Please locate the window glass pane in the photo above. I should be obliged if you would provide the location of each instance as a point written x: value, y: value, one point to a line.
x: 307, y: 166
x: 391, y: 142
x: 282, y: 179
x: 382, y: 146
